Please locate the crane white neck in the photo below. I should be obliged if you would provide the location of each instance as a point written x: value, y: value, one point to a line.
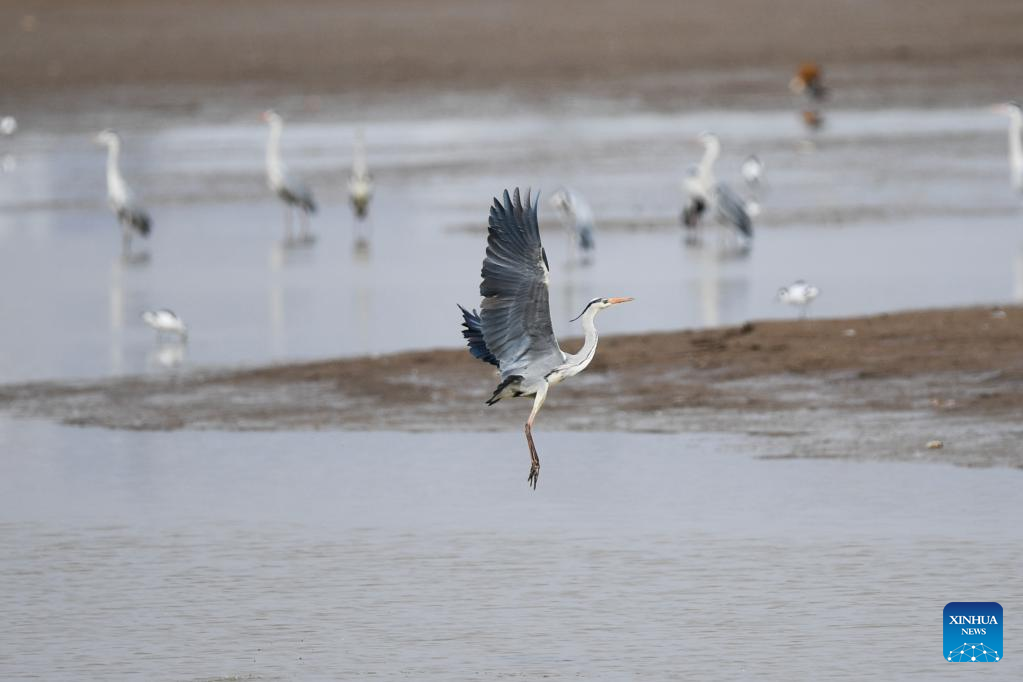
x: 711, y: 151
x: 1016, y: 147
x: 274, y: 166
x: 116, y: 187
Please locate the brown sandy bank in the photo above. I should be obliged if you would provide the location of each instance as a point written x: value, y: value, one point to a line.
x: 874, y: 387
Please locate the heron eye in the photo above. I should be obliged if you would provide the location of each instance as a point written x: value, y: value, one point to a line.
x: 605, y: 300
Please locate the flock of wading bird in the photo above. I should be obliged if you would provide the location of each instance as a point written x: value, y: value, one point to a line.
x: 512, y: 329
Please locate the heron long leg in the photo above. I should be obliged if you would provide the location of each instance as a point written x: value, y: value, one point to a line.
x: 287, y: 223
x: 125, y: 242
x: 534, y: 468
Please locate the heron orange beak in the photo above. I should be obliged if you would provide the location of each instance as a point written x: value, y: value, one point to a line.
x: 615, y: 301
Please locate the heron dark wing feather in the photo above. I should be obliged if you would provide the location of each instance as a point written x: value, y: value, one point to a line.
x: 732, y: 209
x: 515, y: 313
x: 474, y: 337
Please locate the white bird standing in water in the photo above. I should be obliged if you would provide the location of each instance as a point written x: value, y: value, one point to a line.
x: 295, y: 194
x: 577, y: 216
x: 1015, y: 114
x: 513, y: 330
x: 704, y: 192
x: 799, y: 294
x: 752, y: 170
x: 166, y: 322
x: 360, y: 182
x: 134, y: 219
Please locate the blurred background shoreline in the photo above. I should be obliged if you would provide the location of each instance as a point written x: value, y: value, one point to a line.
x: 71, y: 60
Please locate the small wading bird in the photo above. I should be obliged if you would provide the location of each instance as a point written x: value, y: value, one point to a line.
x: 134, y: 219
x: 166, y: 322
x: 513, y: 329
x: 753, y: 174
x: 1015, y: 114
x: 577, y: 217
x: 360, y: 182
x: 799, y: 294
x: 8, y: 125
x: 704, y: 193
x: 295, y: 194
x: 809, y: 82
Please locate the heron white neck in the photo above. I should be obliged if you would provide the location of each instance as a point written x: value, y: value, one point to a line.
x: 577, y: 362
x: 1016, y: 148
x: 273, y: 152
x: 115, y: 182
x: 711, y: 150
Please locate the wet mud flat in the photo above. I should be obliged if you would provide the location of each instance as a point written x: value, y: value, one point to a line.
x: 880, y: 387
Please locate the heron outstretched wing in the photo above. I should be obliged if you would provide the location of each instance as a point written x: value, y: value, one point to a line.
x: 515, y: 313
x: 731, y: 209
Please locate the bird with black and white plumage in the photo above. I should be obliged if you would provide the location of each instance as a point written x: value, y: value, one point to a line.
x: 289, y: 188
x: 799, y: 294
x: 132, y: 216
x: 704, y: 193
x: 1015, y: 115
x: 577, y: 217
x: 166, y: 321
x: 360, y: 181
x: 513, y: 329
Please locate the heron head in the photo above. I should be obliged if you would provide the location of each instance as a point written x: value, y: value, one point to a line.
x: 708, y: 139
x: 271, y: 116
x: 783, y: 293
x: 107, y: 137
x: 560, y: 199
x: 1010, y: 109
x: 598, y: 304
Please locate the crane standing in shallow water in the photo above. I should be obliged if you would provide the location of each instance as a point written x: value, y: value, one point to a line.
x: 291, y: 190
x: 134, y: 219
x: 705, y: 193
x: 1015, y: 114
x: 360, y: 182
x: 513, y: 330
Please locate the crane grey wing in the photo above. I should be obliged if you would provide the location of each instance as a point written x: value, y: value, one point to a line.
x: 294, y: 191
x: 515, y: 314
x: 131, y: 212
x: 732, y: 209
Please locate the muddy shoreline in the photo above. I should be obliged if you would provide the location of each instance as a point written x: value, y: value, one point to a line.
x: 60, y: 61
x: 878, y: 387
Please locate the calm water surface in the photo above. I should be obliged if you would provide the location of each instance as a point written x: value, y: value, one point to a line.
x: 190, y: 556
x: 892, y: 210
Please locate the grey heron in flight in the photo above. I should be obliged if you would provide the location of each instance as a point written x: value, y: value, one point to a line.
x: 1015, y: 114
x: 360, y: 182
x: 295, y: 194
x: 513, y: 329
x: 134, y: 219
x: 577, y: 217
x: 705, y: 193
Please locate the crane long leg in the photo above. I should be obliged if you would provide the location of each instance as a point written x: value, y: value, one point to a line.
x: 534, y: 468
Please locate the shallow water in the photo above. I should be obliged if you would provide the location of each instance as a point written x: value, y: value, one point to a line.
x: 892, y: 210
x: 183, y: 556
